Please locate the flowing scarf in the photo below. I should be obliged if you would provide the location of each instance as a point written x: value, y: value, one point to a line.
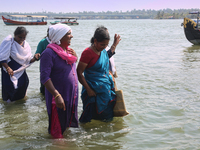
x: 64, y: 55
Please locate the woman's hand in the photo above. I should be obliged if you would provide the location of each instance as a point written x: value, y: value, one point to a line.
x: 80, y: 69
x: 60, y: 102
x: 72, y: 52
x: 10, y: 71
x: 91, y: 93
x: 57, y: 96
x: 110, y: 73
x: 116, y: 39
x: 115, y: 43
x: 37, y: 56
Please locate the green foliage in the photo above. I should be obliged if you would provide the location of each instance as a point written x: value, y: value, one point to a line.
x: 133, y: 14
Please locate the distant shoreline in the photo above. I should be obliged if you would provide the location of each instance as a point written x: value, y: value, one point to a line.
x: 133, y: 14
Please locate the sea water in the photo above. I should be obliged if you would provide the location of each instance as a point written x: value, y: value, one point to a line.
x: 159, y: 73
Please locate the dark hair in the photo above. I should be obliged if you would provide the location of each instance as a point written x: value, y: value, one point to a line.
x: 20, y: 30
x: 100, y: 35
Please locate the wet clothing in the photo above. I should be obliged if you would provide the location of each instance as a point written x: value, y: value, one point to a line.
x: 18, y: 58
x: 97, y: 76
x: 8, y: 90
x: 65, y: 81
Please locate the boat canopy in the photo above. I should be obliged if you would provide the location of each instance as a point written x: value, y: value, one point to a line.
x: 24, y: 16
x: 195, y: 12
x: 65, y: 17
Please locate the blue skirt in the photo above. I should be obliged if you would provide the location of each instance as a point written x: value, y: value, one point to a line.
x: 8, y: 90
x: 90, y: 112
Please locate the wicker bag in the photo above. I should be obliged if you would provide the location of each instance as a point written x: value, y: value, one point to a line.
x: 120, y: 108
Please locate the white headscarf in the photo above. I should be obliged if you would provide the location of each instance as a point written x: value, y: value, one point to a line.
x: 57, y: 31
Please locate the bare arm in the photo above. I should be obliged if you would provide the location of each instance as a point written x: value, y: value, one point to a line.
x: 117, y: 39
x: 58, y: 98
x: 80, y: 69
x: 35, y: 58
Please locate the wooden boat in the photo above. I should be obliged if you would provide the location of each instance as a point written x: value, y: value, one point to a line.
x: 65, y: 20
x: 192, y: 29
x: 24, y: 20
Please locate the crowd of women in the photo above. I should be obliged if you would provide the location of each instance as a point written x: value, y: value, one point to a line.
x: 59, y: 75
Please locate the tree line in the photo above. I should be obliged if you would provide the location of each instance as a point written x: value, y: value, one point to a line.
x: 133, y: 14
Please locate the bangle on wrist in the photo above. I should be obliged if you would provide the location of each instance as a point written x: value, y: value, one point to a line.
x: 57, y: 96
x: 7, y: 68
x: 113, y: 46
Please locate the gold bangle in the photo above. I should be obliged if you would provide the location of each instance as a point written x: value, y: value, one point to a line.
x: 7, y: 68
x: 57, y: 96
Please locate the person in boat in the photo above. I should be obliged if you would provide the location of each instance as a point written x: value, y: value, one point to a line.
x: 40, y: 48
x: 15, y: 57
x: 98, y: 93
x: 58, y: 74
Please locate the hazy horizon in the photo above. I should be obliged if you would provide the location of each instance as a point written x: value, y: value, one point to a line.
x: 92, y: 5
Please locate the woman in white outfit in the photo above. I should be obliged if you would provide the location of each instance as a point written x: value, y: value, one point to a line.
x: 15, y: 57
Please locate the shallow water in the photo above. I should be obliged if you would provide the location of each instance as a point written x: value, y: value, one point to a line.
x: 158, y: 71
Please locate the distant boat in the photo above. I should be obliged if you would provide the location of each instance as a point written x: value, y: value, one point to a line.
x: 24, y: 20
x: 192, y: 29
x: 65, y: 20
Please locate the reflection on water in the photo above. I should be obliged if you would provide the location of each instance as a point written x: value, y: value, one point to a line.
x: 96, y: 134
x: 193, y: 48
x: 21, y: 121
x: 24, y: 124
x: 192, y: 54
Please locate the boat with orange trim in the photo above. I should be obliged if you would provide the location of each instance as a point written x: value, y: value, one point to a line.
x: 24, y: 20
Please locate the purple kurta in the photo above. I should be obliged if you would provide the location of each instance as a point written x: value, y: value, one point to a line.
x: 65, y: 81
